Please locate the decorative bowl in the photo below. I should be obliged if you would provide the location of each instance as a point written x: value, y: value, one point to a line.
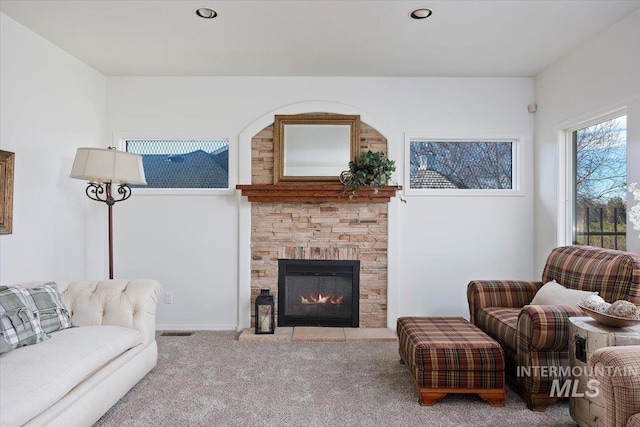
x: 608, y: 319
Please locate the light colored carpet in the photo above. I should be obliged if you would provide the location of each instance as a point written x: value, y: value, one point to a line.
x: 211, y: 379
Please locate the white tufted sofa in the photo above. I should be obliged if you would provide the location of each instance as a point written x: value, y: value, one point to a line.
x: 76, y: 375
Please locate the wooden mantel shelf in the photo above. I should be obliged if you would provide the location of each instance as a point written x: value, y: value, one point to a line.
x: 314, y: 193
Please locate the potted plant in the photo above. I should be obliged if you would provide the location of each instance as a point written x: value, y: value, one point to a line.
x: 370, y: 169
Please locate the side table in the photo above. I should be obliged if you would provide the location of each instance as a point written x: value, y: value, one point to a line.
x: 585, y: 337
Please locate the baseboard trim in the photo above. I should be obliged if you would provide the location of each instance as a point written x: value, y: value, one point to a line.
x: 183, y: 327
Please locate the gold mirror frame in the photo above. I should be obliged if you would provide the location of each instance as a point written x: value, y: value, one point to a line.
x: 280, y: 144
x: 6, y: 191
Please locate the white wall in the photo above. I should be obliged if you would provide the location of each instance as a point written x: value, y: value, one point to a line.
x: 190, y: 243
x: 599, y: 77
x: 51, y: 104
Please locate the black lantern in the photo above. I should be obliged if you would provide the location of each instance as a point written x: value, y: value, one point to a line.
x: 265, y: 313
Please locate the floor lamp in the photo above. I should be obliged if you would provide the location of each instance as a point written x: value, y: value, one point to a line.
x: 103, y: 167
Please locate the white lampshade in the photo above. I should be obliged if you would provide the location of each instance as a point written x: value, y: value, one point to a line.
x: 107, y: 165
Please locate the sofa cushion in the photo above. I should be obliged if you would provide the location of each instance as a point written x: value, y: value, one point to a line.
x: 52, y: 313
x: 501, y: 324
x: 17, y: 305
x: 55, y: 367
x: 553, y: 293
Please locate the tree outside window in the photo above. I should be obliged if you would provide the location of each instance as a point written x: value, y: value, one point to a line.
x: 461, y: 165
x: 600, y: 184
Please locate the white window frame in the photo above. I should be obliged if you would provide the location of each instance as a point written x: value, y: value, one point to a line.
x: 516, y: 160
x: 120, y: 139
x: 566, y: 197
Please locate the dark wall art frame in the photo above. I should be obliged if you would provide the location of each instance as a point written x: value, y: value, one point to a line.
x: 7, y: 160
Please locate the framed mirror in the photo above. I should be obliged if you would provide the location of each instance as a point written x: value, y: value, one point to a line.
x: 314, y: 147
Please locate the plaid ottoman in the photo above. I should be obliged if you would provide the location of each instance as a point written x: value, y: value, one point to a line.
x: 450, y: 355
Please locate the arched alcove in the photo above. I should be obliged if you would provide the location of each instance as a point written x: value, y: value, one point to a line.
x: 262, y: 150
x: 324, y: 230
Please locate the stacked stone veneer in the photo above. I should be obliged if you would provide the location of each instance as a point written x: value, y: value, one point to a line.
x: 320, y: 231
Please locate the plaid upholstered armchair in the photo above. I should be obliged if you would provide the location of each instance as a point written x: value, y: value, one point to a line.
x: 535, y: 337
x: 618, y: 371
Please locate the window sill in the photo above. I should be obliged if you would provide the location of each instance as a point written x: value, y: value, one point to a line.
x: 141, y: 191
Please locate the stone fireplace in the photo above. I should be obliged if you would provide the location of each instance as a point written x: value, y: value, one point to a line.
x: 341, y: 230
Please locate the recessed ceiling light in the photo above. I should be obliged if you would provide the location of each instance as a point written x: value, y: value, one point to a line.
x: 421, y: 13
x: 206, y: 13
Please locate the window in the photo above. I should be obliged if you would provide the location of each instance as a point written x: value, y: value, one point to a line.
x: 599, y: 184
x: 183, y: 163
x: 473, y: 166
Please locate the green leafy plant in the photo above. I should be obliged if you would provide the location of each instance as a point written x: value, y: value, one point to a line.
x: 370, y: 169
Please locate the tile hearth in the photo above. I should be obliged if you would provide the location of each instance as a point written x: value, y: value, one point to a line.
x: 315, y: 334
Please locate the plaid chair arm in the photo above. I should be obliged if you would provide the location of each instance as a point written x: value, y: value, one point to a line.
x: 634, y: 293
x: 499, y: 293
x: 618, y: 371
x: 634, y: 421
x: 545, y: 327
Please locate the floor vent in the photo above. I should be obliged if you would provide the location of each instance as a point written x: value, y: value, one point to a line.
x: 176, y: 334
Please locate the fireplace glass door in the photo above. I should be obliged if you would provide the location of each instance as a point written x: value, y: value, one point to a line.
x: 318, y: 293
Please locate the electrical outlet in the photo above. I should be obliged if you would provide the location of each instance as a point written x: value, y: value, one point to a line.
x: 168, y: 297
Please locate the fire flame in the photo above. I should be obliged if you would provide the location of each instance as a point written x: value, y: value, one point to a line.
x: 322, y: 299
